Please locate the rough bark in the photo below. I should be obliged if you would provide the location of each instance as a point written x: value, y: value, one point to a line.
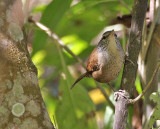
x: 130, y: 67
x: 121, y: 110
x: 21, y: 103
x: 135, y: 41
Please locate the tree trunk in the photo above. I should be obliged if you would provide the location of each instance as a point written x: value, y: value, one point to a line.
x: 21, y: 103
x: 130, y: 66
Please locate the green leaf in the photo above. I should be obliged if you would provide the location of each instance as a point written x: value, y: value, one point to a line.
x: 74, y: 105
x: 138, y: 85
x: 156, y: 114
x: 73, y: 108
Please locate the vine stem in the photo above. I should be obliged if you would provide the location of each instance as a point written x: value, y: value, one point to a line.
x: 132, y: 101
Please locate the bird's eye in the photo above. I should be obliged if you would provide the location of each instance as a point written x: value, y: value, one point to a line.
x: 104, y: 37
x: 115, y: 35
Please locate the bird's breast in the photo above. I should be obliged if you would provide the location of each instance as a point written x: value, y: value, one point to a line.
x: 110, y: 63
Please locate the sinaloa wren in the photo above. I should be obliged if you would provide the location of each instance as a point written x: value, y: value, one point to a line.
x: 106, y: 60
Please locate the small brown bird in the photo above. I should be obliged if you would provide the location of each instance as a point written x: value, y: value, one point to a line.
x: 106, y: 60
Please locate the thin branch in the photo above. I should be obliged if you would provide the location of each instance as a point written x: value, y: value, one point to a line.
x: 55, y: 37
x: 132, y: 101
x: 111, y: 87
x: 125, y: 5
x: 106, y: 96
x: 60, y: 42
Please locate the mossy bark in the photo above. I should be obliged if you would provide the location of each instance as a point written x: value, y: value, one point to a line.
x: 21, y: 103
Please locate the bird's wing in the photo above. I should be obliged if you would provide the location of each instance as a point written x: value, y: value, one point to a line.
x: 93, y: 61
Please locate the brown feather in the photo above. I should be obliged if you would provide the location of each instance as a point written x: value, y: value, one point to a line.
x: 91, y: 67
x: 93, y: 61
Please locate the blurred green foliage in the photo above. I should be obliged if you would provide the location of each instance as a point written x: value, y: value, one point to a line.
x: 76, y: 24
x: 156, y: 114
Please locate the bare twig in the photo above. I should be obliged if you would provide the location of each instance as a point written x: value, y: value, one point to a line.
x: 60, y: 42
x: 55, y: 37
x: 132, y: 101
x: 106, y: 96
x: 111, y: 87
